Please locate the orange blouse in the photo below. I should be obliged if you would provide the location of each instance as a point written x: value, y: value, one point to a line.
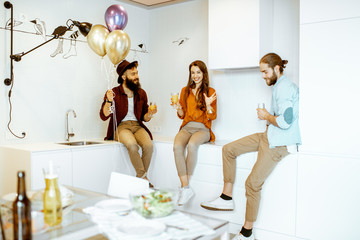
x: 194, y: 114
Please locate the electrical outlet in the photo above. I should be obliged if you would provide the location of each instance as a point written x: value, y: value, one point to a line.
x: 156, y: 129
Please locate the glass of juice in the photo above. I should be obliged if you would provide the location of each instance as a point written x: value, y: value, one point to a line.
x: 174, y: 98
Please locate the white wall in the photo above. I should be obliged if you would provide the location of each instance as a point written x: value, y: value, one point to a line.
x: 329, y: 163
x: 45, y: 87
x: 238, y: 91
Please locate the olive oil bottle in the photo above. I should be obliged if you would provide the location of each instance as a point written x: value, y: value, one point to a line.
x: 52, y: 199
x: 22, y: 211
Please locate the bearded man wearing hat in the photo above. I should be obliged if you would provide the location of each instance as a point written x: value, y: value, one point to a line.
x: 130, y: 108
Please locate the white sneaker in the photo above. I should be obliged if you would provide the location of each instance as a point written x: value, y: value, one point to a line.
x: 185, y: 195
x: 242, y: 237
x: 219, y: 204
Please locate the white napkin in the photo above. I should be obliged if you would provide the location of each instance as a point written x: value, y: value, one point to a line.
x: 179, y: 219
x: 109, y: 223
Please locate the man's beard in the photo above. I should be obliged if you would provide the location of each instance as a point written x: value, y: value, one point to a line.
x: 272, y: 80
x: 132, y: 85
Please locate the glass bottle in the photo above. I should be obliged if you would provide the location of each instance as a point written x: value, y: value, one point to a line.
x: 52, y: 199
x: 22, y: 211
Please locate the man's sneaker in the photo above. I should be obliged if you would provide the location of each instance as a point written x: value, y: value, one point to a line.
x: 185, y: 195
x: 242, y: 237
x: 219, y: 204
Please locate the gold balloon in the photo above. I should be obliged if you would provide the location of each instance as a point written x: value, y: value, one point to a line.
x: 117, y: 46
x: 96, y: 39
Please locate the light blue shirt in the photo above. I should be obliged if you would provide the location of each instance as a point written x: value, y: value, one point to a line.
x: 284, y: 105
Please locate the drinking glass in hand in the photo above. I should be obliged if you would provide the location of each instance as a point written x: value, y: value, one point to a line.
x: 261, y: 106
x: 174, y: 99
x: 152, y: 106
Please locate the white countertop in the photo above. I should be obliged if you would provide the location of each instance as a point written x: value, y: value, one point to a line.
x: 53, y: 146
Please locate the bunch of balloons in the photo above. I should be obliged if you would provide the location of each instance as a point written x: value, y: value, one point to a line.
x: 111, y: 40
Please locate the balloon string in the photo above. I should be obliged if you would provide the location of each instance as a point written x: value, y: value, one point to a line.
x: 106, y: 71
x: 113, y: 110
x: 113, y: 74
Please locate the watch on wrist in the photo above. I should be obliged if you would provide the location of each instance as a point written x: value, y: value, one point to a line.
x: 108, y: 101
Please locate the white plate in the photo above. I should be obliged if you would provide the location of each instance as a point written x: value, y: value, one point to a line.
x: 114, y: 205
x: 141, y: 229
x: 36, y: 199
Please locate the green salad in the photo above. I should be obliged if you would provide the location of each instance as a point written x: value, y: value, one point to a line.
x: 158, y: 203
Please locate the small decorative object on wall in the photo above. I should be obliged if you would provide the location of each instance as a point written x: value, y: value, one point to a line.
x: 72, y: 51
x: 59, y: 48
x: 16, y: 23
x: 181, y: 41
x: 39, y: 27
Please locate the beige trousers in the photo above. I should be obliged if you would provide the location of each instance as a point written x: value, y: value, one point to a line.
x: 131, y: 134
x: 193, y: 134
x: 264, y: 165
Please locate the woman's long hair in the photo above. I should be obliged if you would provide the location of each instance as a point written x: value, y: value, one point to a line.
x: 204, y: 88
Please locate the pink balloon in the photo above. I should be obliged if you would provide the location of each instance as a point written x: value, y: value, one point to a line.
x: 116, y: 17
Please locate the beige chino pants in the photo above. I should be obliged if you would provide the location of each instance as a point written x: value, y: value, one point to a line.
x: 192, y: 135
x: 131, y: 134
x: 264, y: 165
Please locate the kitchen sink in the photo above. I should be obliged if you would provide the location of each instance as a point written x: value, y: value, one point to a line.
x: 79, y: 143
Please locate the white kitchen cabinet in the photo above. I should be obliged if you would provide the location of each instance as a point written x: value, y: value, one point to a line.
x: 329, y: 84
x: 277, y: 211
x: 277, y: 214
x: 324, y: 10
x: 328, y: 197
x: 162, y: 170
x: 92, y: 167
x: 61, y: 161
x: 87, y: 167
x: 235, y: 32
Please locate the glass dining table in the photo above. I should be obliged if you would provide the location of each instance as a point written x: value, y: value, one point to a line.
x: 78, y: 225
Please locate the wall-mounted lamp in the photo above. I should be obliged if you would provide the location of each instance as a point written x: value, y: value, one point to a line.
x: 84, y: 28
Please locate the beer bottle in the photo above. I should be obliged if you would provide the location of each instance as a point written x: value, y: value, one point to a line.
x: 22, y: 211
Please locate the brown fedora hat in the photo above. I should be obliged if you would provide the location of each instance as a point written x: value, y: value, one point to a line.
x: 125, y: 65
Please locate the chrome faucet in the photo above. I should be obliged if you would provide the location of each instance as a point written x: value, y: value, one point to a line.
x: 68, y: 133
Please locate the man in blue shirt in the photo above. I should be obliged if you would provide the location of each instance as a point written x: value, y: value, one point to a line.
x: 272, y: 145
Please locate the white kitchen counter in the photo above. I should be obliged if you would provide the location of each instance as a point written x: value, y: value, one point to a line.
x: 52, y: 146
x: 90, y: 166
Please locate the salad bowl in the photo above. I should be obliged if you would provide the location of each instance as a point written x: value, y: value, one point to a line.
x: 158, y: 203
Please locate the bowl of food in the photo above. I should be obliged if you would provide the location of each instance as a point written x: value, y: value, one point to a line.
x: 157, y: 203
